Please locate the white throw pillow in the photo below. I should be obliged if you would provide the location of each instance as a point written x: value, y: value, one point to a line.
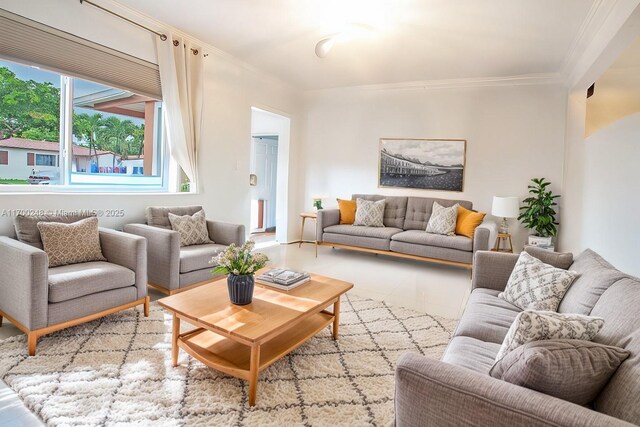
x: 369, y: 213
x: 535, y: 285
x: 443, y: 220
x: 531, y: 325
x: 192, y: 228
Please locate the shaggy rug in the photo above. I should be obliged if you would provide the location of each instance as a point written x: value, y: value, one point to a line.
x: 117, y: 371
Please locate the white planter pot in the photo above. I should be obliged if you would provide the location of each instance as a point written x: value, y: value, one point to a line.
x: 540, y: 241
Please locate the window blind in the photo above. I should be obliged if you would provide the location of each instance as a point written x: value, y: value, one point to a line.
x: 30, y: 42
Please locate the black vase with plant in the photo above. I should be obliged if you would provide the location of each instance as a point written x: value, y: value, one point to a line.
x: 538, y: 213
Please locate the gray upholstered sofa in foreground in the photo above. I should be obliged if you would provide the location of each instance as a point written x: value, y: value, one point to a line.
x: 459, y: 390
x: 403, y: 234
x: 173, y: 268
x: 40, y: 300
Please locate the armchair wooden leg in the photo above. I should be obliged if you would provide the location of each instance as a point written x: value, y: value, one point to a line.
x: 0, y: 321
x: 146, y: 307
x: 32, y: 339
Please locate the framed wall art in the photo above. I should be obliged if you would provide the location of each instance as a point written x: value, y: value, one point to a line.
x: 426, y: 164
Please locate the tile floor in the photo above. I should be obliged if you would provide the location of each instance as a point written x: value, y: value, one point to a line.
x: 431, y: 288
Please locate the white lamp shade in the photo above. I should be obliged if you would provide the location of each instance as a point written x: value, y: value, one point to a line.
x: 505, y: 207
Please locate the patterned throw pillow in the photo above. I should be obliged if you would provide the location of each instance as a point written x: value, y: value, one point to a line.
x: 192, y: 228
x: 71, y: 243
x: 369, y: 213
x: 443, y: 220
x: 531, y: 325
x: 535, y: 285
x: 572, y: 370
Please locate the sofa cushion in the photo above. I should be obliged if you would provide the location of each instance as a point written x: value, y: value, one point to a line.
x: 468, y: 221
x: 419, y: 210
x: 486, y: 317
x: 395, y: 208
x: 572, y: 370
x: 73, y: 281
x: 192, y: 228
x: 420, y: 237
x: 596, y: 276
x: 347, y: 211
x: 619, y: 307
x: 561, y: 260
x: 158, y: 216
x: 536, y: 285
x: 369, y: 214
x: 27, y: 226
x: 532, y: 325
x: 442, y: 254
x: 71, y: 243
x: 443, y: 220
x: 471, y: 353
x: 352, y: 230
x: 197, y: 257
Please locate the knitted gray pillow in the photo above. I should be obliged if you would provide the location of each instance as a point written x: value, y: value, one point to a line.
x: 192, y: 228
x: 572, y: 370
x: 443, y: 220
x: 368, y: 213
x: 535, y: 285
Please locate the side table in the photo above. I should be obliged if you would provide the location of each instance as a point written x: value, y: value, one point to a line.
x: 308, y: 215
x: 503, y: 238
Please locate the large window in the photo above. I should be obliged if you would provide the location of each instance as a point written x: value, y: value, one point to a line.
x: 78, y: 134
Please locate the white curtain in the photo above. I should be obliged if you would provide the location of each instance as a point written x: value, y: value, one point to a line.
x: 181, y: 70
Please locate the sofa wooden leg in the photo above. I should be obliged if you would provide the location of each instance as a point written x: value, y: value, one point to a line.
x: 32, y: 339
x: 146, y: 307
x: 0, y: 321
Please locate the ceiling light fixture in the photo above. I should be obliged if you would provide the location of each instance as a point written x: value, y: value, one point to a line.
x: 324, y: 46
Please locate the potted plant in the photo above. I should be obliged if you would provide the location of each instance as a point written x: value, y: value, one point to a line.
x: 240, y: 263
x: 538, y: 213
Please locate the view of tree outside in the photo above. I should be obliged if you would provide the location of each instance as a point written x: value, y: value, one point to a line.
x: 30, y: 109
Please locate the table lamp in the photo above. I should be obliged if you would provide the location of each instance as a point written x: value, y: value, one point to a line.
x: 505, y: 207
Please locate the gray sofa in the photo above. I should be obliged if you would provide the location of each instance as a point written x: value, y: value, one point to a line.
x: 173, y: 268
x: 459, y: 391
x: 40, y: 300
x: 403, y: 234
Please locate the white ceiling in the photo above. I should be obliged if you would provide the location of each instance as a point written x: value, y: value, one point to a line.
x: 405, y: 40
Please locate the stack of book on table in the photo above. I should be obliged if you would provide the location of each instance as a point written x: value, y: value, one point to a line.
x: 283, y: 278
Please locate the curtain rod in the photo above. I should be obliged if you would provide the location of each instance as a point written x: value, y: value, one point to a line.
x: 162, y: 36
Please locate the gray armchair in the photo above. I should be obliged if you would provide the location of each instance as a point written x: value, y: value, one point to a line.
x: 173, y: 268
x: 40, y: 300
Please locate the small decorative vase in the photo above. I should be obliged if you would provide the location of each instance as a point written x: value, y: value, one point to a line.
x: 240, y: 288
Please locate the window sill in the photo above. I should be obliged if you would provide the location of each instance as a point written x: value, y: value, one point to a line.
x: 13, y: 190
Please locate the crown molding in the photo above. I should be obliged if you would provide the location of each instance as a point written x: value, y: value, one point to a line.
x: 592, y: 23
x: 520, y: 80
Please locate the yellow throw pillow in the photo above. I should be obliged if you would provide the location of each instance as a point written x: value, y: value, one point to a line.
x: 347, y: 211
x: 468, y: 221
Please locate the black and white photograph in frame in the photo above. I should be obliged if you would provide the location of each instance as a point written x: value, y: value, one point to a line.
x: 426, y: 164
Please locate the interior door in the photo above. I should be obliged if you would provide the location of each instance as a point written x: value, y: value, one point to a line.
x: 266, y: 170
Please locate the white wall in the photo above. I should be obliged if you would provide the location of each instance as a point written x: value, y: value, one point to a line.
x: 513, y: 133
x: 611, y: 193
x: 600, y: 178
x: 231, y: 88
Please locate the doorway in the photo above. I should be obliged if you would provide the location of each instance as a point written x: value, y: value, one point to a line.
x: 269, y: 177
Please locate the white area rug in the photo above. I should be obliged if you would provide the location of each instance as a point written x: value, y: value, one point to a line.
x: 117, y: 371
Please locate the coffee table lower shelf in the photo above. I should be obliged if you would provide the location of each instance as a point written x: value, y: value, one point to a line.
x: 234, y: 358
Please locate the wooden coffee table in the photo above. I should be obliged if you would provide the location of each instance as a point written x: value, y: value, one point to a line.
x: 243, y: 340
